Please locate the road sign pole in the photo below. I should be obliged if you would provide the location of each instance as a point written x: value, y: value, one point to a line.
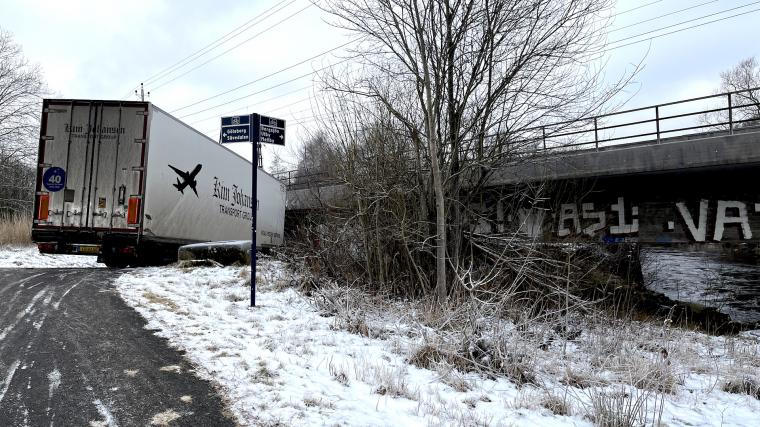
x: 255, y: 208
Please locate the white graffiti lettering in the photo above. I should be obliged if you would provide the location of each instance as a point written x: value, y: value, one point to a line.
x: 588, y: 213
x: 698, y: 233
x: 623, y: 227
x: 568, y: 212
x: 722, y: 219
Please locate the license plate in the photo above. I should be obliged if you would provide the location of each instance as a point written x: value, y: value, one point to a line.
x: 90, y: 250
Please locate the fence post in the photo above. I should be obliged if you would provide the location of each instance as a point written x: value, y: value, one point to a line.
x: 657, y: 121
x: 730, y: 116
x: 596, y: 135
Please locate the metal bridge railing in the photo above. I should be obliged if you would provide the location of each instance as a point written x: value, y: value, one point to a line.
x: 723, y: 113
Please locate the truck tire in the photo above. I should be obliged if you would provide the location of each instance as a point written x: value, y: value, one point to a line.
x: 116, y: 262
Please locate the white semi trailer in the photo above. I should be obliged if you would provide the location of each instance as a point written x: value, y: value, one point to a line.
x: 130, y: 183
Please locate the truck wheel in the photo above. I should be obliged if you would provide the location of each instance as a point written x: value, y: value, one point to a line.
x: 115, y: 262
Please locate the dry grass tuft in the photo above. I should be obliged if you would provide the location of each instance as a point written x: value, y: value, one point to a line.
x: 578, y: 380
x: 556, y: 404
x: 745, y: 385
x: 16, y: 230
x: 624, y: 407
x: 428, y: 355
x: 157, y: 299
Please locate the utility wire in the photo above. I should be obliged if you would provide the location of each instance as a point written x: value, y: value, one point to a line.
x: 216, y: 116
x: 234, y: 47
x: 265, y: 89
x: 662, y: 16
x: 602, y: 51
x: 637, y: 7
x: 266, y: 76
x: 690, y: 20
x: 214, y: 44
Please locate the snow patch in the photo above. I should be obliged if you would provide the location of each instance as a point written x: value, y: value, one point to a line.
x: 164, y: 418
x: 104, y: 412
x: 30, y: 257
x: 8, y: 377
x: 131, y: 372
x: 55, y: 381
x: 286, y: 362
x: 171, y: 368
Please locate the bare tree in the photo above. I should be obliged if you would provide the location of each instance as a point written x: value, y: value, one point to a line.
x: 466, y: 80
x: 743, y: 81
x: 21, y: 88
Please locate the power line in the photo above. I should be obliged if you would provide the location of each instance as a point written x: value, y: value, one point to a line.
x: 235, y: 47
x: 266, y: 89
x: 216, y: 116
x: 214, y: 44
x: 602, y: 51
x: 662, y: 16
x: 686, y: 28
x: 266, y: 76
x: 637, y: 7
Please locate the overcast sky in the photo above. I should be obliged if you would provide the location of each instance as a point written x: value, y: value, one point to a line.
x: 103, y: 49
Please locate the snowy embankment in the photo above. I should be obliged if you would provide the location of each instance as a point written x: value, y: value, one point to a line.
x: 293, y: 361
x: 28, y: 256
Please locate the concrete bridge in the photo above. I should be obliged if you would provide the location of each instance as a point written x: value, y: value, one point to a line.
x: 681, y: 172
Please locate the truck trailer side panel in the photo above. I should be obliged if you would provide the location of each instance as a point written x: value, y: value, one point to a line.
x: 196, y: 190
x: 270, y: 216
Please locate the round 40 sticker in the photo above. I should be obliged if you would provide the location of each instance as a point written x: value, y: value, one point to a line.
x: 54, y: 179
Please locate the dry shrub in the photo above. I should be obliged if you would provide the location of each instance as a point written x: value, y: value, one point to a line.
x: 428, y: 355
x: 744, y: 385
x: 338, y: 372
x: 557, y: 405
x: 350, y: 307
x: 657, y: 377
x: 234, y: 297
x: 479, y: 356
x: 578, y: 380
x: 393, y: 383
x: 456, y: 381
x: 624, y: 407
x: 16, y: 230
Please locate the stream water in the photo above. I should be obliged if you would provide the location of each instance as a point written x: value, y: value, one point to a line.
x: 704, y: 277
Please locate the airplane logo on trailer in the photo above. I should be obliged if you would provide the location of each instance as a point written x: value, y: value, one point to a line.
x: 188, y: 179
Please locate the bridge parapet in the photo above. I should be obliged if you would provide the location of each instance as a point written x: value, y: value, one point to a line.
x: 698, y: 118
x: 680, y: 154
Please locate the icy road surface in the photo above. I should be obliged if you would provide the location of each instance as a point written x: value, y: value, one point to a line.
x: 73, y: 354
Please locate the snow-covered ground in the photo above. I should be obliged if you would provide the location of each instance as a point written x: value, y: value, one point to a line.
x: 291, y: 362
x: 27, y: 256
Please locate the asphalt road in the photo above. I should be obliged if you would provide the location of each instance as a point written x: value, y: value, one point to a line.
x: 72, y: 353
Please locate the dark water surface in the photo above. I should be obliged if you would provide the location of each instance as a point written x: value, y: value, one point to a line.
x: 704, y: 277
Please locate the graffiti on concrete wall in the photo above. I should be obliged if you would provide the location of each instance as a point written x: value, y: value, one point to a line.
x: 727, y: 213
x: 707, y: 221
x: 570, y: 219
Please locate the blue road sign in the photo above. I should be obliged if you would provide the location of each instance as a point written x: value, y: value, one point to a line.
x: 268, y: 130
x: 239, y: 133
x: 54, y: 179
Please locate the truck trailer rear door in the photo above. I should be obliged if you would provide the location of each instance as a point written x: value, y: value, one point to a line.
x: 91, y: 165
